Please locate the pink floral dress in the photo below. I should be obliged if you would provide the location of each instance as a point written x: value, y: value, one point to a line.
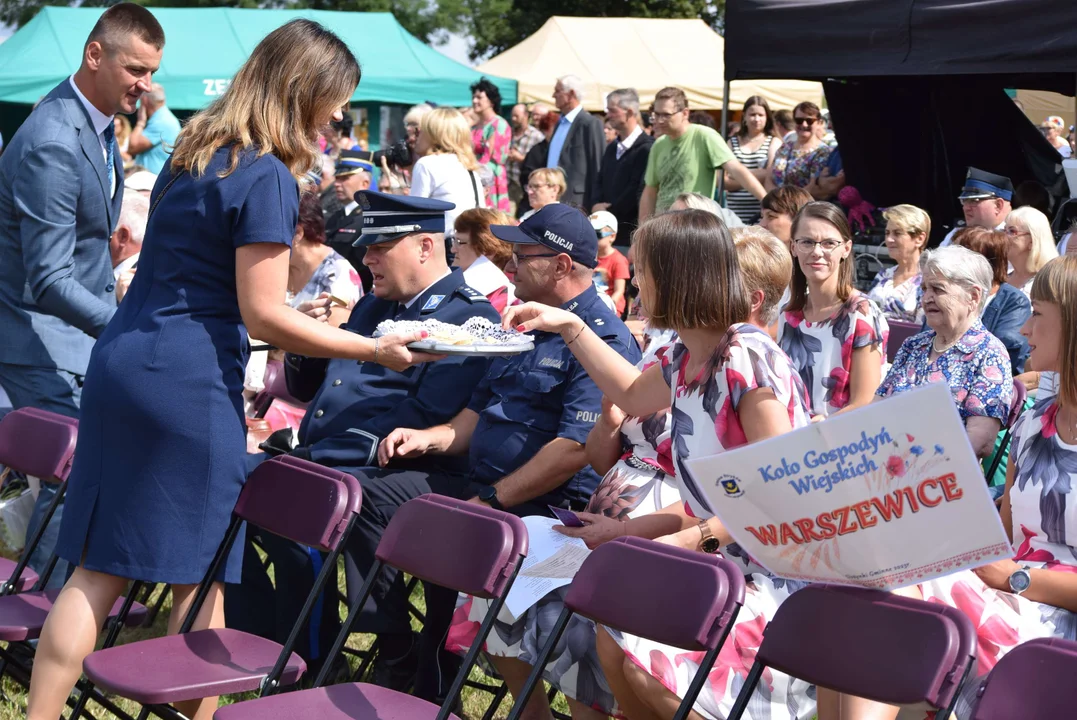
x: 822, y: 352
x: 639, y: 483
x: 492, y: 143
x: 705, y: 422
x: 1044, y: 505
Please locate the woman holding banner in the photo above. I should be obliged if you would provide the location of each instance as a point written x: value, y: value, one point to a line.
x: 722, y: 373
x: 1035, y: 594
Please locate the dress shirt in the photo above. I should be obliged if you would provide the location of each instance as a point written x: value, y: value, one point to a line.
x: 625, y: 145
x: 557, y: 142
x: 100, y: 122
x: 125, y: 265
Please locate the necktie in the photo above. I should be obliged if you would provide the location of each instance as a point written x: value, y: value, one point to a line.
x: 110, y: 141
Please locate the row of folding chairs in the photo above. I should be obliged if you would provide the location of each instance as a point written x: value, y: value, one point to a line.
x: 861, y: 642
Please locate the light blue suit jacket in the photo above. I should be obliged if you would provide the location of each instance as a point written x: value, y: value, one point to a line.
x: 56, y: 285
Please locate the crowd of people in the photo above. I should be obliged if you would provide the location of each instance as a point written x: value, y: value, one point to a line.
x: 657, y: 315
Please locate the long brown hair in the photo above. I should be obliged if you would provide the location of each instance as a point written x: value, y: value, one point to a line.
x: 1056, y: 283
x: 829, y: 213
x: 689, y: 259
x: 296, y: 76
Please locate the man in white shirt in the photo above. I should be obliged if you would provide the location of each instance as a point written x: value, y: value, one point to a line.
x: 619, y: 183
x: 354, y: 172
x: 577, y: 142
x: 985, y: 201
x: 125, y: 245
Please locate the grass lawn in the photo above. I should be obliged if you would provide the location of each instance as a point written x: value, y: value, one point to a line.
x: 13, y: 695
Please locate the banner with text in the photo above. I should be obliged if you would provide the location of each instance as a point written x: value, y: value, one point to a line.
x: 886, y: 496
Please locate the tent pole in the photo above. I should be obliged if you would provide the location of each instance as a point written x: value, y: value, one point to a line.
x: 724, y: 130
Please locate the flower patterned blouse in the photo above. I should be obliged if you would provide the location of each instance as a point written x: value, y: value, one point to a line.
x: 822, y: 352
x: 491, y: 143
x: 336, y: 276
x: 704, y: 408
x: 898, y: 302
x: 797, y: 167
x: 977, y: 369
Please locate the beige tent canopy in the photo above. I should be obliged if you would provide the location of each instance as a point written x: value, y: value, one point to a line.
x: 641, y: 53
x: 1039, y: 104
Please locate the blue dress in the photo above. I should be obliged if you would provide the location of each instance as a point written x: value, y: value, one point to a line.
x: 161, y: 452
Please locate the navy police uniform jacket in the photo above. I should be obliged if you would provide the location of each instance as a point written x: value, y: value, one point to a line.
x: 341, y: 230
x: 527, y: 400
x: 355, y: 405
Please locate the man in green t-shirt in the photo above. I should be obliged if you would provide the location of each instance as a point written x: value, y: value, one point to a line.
x: 686, y: 158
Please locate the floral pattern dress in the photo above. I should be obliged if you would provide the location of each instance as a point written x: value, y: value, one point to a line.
x: 705, y: 422
x: 492, y: 143
x: 793, y: 166
x: 1044, y: 511
x: 639, y: 483
x: 822, y: 352
x: 898, y: 302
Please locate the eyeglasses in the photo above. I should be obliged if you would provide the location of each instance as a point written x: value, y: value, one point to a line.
x: 517, y: 259
x: 603, y: 234
x: 974, y: 200
x: 1014, y: 232
x: 809, y: 121
x: 457, y: 242
x: 536, y: 188
x: 663, y: 117
x: 807, y: 246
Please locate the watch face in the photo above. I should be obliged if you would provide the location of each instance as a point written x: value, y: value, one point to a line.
x: 710, y: 545
x: 1020, y: 581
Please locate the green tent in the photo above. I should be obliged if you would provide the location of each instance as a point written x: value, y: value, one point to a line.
x: 204, y: 47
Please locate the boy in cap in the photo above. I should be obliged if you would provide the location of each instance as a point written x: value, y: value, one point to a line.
x: 611, y: 273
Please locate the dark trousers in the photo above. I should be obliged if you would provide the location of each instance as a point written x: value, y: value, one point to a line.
x: 60, y: 392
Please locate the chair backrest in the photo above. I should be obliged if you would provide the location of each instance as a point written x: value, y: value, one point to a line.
x: 1034, y: 681
x: 300, y: 500
x: 459, y: 545
x: 1017, y: 406
x: 276, y: 386
x: 38, y: 442
x: 625, y: 584
x: 899, y: 333
x: 893, y: 649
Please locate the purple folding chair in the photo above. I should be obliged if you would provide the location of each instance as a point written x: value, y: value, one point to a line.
x: 710, y: 594
x: 899, y: 333
x: 462, y: 546
x: 871, y: 644
x: 1034, y: 681
x: 275, y: 389
x: 292, y: 498
x: 1017, y: 406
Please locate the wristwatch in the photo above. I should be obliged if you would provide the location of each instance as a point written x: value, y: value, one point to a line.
x: 488, y: 494
x: 1020, y: 580
x: 709, y: 544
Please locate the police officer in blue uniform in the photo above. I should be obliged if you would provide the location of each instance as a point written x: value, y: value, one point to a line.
x: 354, y: 405
x: 526, y: 425
x: 354, y: 172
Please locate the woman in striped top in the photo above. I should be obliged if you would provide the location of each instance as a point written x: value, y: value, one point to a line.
x: 754, y: 146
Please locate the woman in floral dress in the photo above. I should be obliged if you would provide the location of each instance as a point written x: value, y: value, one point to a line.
x: 835, y: 336
x: 721, y: 373
x: 638, y: 480
x: 1034, y: 595
x: 492, y: 139
x: 804, y: 157
x: 896, y: 289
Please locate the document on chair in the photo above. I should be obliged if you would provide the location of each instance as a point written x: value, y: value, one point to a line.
x: 886, y: 496
x: 552, y: 561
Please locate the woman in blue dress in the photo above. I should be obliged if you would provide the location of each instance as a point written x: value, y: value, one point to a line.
x: 161, y: 449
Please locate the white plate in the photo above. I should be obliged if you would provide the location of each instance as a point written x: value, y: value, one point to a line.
x: 432, y: 346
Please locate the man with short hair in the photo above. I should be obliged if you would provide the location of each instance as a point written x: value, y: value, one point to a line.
x: 155, y: 131
x: 353, y: 406
x: 125, y: 244
x: 577, y: 142
x: 525, y: 427
x: 619, y: 183
x: 686, y: 158
x: 985, y: 202
x: 538, y: 111
x: 353, y: 173
x: 61, y: 189
x: 524, y: 137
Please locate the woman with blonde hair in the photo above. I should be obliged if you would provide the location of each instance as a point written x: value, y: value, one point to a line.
x: 896, y: 289
x: 545, y: 186
x: 1032, y: 245
x: 447, y: 168
x: 162, y: 453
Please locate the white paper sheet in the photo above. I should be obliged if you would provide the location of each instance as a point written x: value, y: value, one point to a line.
x: 552, y: 561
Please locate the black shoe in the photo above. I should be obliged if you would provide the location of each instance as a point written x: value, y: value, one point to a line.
x: 397, y: 674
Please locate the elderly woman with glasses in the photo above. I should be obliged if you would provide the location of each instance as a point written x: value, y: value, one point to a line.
x: 545, y: 187
x: 834, y: 335
x: 897, y: 288
x: 957, y: 348
x: 803, y: 158
x: 1032, y: 245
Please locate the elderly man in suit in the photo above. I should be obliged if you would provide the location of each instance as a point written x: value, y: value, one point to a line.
x: 577, y: 143
x: 61, y: 189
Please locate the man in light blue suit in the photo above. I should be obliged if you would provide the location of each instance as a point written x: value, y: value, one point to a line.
x: 61, y: 187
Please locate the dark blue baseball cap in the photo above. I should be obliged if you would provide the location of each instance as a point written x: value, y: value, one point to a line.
x: 388, y: 217
x: 559, y: 227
